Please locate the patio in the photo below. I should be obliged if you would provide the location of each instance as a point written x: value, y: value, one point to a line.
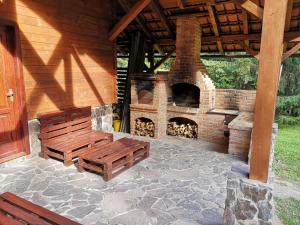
x: 182, y: 182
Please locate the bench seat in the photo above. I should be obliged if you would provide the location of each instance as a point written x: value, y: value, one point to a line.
x: 113, y: 158
x: 66, y: 134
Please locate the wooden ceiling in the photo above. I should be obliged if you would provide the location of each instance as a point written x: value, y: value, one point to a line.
x: 227, y: 25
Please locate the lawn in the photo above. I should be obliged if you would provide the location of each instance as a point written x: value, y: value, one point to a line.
x: 287, y: 154
x: 288, y: 211
x: 287, y: 166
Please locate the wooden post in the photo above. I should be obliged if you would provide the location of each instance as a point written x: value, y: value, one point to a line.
x: 151, y: 57
x: 267, y: 86
x: 135, y: 65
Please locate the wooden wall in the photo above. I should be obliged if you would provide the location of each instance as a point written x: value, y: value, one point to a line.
x: 67, y: 58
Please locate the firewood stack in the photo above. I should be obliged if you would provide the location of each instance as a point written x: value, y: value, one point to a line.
x: 144, y: 128
x: 187, y: 130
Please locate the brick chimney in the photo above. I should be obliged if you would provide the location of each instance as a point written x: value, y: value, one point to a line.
x: 188, y: 67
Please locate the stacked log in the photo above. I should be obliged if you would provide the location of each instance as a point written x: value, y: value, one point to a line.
x: 187, y: 130
x: 144, y: 128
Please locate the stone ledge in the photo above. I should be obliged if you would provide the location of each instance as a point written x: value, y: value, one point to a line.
x: 224, y: 112
x: 186, y: 110
x: 244, y: 121
x: 143, y: 108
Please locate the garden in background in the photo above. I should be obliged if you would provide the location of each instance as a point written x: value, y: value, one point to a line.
x: 241, y: 73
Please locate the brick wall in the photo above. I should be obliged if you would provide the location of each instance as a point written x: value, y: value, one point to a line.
x: 211, y: 128
x: 155, y: 111
x: 242, y: 100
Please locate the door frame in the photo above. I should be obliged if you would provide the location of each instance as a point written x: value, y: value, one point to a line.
x: 21, y: 95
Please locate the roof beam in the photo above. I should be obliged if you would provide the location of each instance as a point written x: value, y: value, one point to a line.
x: 158, y: 9
x: 251, y: 7
x: 160, y: 62
x: 288, y: 19
x: 288, y: 15
x: 292, y: 36
x: 291, y: 52
x: 126, y: 7
x: 214, y: 23
x: 180, y: 4
x: 128, y: 18
x: 245, y: 25
x: 249, y: 50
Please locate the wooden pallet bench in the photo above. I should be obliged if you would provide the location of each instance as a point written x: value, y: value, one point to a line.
x: 18, y: 211
x: 66, y: 134
x: 113, y: 158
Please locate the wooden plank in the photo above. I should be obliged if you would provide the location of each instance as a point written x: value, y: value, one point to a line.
x: 267, y: 86
x: 56, y: 27
x: 291, y: 52
x: 215, y: 26
x: 5, y: 220
x: 20, y: 214
x: 128, y: 18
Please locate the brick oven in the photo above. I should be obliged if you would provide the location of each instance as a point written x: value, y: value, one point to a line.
x: 184, y: 101
x: 190, y: 90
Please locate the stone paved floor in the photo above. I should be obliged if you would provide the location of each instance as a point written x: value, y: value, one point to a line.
x: 182, y: 183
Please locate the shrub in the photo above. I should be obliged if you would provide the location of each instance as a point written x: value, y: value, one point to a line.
x: 288, y: 106
x: 288, y: 121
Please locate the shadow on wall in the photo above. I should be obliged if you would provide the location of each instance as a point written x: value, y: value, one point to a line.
x: 67, y: 59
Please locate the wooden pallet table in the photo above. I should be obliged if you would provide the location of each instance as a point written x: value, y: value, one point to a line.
x: 113, y: 158
x: 18, y: 211
x: 66, y: 134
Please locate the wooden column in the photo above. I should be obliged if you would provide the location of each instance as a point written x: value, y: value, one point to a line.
x: 267, y: 86
x: 135, y: 65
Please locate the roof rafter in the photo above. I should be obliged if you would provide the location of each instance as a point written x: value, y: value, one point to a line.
x: 251, y: 7
x: 128, y: 18
x: 249, y: 50
x: 291, y: 52
x: 180, y: 4
x: 160, y: 62
x: 245, y: 25
x: 214, y: 23
x: 288, y: 19
x: 127, y: 7
x: 292, y: 36
x: 157, y: 8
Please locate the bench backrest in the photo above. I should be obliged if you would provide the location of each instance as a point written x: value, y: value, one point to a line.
x: 19, y: 211
x: 68, y: 121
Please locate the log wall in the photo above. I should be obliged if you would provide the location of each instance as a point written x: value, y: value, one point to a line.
x: 67, y: 58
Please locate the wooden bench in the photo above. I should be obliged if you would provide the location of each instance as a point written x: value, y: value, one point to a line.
x: 113, y: 158
x: 18, y: 211
x: 66, y: 134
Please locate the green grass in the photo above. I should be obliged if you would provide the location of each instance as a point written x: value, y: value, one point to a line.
x: 288, y: 210
x: 287, y: 154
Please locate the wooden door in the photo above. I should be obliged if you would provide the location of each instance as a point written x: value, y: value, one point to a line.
x: 10, y: 123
